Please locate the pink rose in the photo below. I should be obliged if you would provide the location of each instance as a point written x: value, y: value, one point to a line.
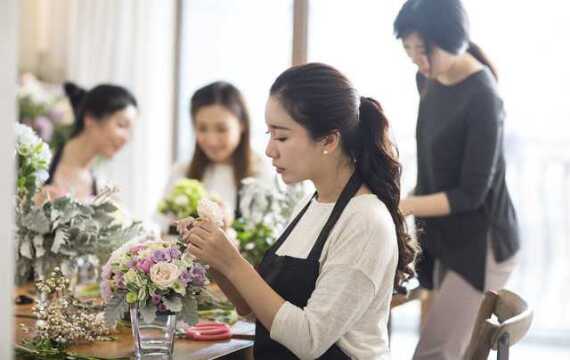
x: 144, y: 265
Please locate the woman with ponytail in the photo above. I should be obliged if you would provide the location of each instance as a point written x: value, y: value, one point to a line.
x: 103, y: 119
x: 461, y: 202
x: 323, y: 290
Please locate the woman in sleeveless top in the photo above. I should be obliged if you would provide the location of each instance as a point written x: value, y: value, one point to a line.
x: 324, y: 289
x: 222, y: 155
x: 468, y: 222
x: 104, y: 117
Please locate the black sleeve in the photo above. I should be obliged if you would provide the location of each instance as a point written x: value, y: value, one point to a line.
x: 484, y: 125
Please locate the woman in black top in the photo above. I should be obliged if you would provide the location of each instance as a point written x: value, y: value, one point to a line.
x: 103, y: 119
x: 468, y: 224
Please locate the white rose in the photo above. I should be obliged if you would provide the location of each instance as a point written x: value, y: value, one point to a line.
x: 164, y: 274
x: 208, y: 209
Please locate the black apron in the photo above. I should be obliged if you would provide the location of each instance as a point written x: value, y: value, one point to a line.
x: 294, y: 279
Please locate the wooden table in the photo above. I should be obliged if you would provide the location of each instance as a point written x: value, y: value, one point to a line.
x: 242, y: 340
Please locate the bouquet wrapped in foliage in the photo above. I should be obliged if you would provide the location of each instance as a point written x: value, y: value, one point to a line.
x: 64, y: 229
x: 157, y: 276
x: 264, y: 213
x: 33, y: 158
x: 183, y: 199
x: 45, y: 108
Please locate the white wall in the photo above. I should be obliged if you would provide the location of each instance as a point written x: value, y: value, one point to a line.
x: 8, y: 77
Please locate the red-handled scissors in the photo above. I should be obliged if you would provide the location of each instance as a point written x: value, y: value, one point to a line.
x: 209, y: 331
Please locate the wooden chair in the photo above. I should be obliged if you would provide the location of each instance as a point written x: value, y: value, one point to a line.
x: 512, y: 321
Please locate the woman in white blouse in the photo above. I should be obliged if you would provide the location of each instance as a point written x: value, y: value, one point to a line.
x: 324, y: 289
x: 223, y: 154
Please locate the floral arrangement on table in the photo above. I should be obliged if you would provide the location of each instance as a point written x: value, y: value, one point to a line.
x: 62, y: 320
x: 157, y: 276
x: 264, y: 213
x: 183, y: 199
x: 33, y: 157
x: 45, y: 108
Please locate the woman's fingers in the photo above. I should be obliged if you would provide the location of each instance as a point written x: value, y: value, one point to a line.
x: 198, y: 231
x: 194, y: 250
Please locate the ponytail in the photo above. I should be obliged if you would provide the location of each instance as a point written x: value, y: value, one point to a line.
x: 478, y: 54
x: 99, y: 102
x: 377, y: 163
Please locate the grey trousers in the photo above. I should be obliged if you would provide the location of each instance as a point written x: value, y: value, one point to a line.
x: 451, y: 317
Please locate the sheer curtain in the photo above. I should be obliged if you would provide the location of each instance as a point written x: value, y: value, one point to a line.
x: 132, y: 43
x: 128, y: 42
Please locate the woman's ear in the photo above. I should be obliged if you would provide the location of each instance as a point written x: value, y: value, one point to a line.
x: 89, y: 121
x: 330, y: 142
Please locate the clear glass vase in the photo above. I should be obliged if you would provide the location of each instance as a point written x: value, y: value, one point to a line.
x: 153, y: 340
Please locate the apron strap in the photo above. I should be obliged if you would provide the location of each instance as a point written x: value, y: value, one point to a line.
x: 347, y: 193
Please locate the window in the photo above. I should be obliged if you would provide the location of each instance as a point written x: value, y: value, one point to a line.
x: 247, y: 43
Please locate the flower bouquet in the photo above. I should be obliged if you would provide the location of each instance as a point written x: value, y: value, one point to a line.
x: 33, y: 158
x: 45, y: 108
x: 159, y: 283
x: 183, y: 199
x: 264, y: 213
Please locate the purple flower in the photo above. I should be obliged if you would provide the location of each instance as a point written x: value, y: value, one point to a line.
x: 198, y: 275
x: 160, y: 256
x: 144, y: 265
x: 185, y: 277
x: 106, y: 272
x: 174, y: 253
x: 155, y: 298
x: 131, y: 263
x: 119, y: 280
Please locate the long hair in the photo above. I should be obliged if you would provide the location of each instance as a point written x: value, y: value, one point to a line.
x: 323, y: 100
x: 443, y: 23
x: 99, y: 102
x: 227, y: 95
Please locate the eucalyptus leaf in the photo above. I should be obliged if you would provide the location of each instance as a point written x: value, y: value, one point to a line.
x: 115, y: 308
x: 148, y: 312
x: 173, y: 303
x: 189, y: 312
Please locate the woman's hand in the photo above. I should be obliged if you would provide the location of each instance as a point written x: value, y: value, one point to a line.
x: 210, y: 244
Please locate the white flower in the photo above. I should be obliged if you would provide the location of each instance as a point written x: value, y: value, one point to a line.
x: 164, y: 274
x: 181, y: 200
x: 208, y: 209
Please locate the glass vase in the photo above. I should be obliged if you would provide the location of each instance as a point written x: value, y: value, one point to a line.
x: 153, y: 340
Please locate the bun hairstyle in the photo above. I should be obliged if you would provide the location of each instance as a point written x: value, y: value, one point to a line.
x: 441, y: 23
x: 99, y: 102
x: 323, y: 101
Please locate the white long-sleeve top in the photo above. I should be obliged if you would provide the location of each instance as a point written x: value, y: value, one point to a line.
x: 351, y: 301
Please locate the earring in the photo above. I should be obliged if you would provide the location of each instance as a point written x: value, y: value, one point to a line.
x: 326, y: 152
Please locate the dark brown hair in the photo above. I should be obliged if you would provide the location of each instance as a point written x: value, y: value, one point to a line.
x: 443, y: 23
x: 323, y: 100
x: 224, y: 94
x: 99, y: 102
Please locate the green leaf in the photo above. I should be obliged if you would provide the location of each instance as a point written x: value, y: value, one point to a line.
x: 148, y: 312
x: 173, y: 303
x: 189, y: 312
x: 115, y: 308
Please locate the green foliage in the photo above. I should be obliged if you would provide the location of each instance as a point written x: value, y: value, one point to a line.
x: 183, y: 200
